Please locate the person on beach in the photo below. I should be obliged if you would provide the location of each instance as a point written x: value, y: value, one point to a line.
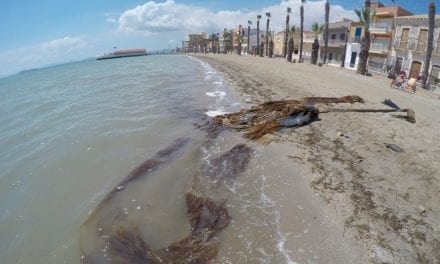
x: 398, y: 81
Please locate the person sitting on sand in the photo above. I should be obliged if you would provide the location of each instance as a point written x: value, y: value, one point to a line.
x: 399, y: 80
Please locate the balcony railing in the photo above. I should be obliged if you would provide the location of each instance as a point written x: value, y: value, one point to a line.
x: 380, y: 28
x: 335, y: 42
x: 379, y: 47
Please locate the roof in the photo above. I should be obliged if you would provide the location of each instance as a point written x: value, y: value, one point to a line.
x: 420, y: 16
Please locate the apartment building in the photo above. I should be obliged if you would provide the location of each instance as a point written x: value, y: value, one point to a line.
x: 410, y: 46
x: 382, y: 31
x: 337, y: 39
x: 356, y: 33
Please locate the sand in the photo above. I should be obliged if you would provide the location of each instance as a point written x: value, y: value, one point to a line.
x: 349, y: 198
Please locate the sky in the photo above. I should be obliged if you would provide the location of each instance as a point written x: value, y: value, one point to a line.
x: 35, y: 34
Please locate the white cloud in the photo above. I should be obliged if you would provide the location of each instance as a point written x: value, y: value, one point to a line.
x: 111, y: 20
x: 51, y: 52
x: 159, y: 17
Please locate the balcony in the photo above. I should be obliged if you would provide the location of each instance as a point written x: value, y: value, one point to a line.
x: 356, y: 39
x: 380, y: 28
x: 335, y: 42
x: 379, y: 47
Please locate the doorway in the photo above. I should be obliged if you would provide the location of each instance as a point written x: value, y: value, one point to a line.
x: 353, y: 59
x: 415, y: 69
x: 398, y: 66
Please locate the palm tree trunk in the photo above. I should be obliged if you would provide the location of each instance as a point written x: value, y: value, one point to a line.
x: 315, y: 50
x: 363, y: 55
x: 290, y: 49
x: 261, y: 51
x: 271, y: 44
x: 258, y: 36
x: 267, y: 35
x: 301, y: 12
x: 285, y: 36
x: 249, y: 32
x: 431, y: 24
x: 365, y: 43
x: 327, y: 13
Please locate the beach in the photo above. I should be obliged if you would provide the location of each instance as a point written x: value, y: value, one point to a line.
x: 342, y: 195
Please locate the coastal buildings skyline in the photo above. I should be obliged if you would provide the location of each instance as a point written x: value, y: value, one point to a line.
x: 45, y: 33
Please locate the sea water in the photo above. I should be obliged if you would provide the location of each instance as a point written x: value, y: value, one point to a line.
x: 70, y: 133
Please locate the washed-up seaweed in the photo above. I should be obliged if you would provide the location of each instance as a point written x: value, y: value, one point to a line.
x: 270, y: 116
x: 207, y: 217
x: 120, y: 240
x: 227, y: 166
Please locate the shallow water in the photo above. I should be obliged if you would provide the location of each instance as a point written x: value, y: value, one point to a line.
x: 69, y: 134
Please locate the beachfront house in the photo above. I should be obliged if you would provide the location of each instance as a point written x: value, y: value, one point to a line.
x: 337, y: 40
x: 278, y: 40
x: 308, y: 39
x: 410, y: 45
x: 382, y: 28
x: 356, y: 33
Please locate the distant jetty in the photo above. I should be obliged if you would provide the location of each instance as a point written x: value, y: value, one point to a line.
x: 122, y: 54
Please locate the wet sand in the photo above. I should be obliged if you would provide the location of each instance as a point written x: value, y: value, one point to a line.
x: 341, y: 195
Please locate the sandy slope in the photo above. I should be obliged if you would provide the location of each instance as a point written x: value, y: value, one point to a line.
x: 389, y: 202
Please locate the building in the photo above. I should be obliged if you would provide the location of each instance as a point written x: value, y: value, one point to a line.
x: 278, y: 40
x: 337, y: 40
x: 195, y: 42
x: 357, y: 32
x: 382, y: 30
x: 410, y: 45
x: 252, y: 40
x: 308, y: 39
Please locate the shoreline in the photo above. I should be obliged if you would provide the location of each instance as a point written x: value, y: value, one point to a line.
x: 381, y: 206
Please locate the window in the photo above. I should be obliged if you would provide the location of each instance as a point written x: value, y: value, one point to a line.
x: 423, y: 39
x: 342, y: 37
x: 404, y: 38
x: 333, y: 36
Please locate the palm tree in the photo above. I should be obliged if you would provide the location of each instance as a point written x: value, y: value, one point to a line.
x: 240, y: 38
x: 286, y: 35
x: 327, y: 14
x: 258, y: 33
x: 431, y: 24
x: 271, y: 44
x: 248, y: 35
x: 267, y: 31
x: 364, y: 18
x: 261, y: 50
x: 290, y: 44
x: 301, y: 13
x: 315, y: 46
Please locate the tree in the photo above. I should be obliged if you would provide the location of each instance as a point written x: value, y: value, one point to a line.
x: 315, y: 46
x: 258, y: 33
x: 364, y: 18
x: 271, y: 44
x: 290, y: 44
x: 286, y: 35
x: 248, y: 35
x: 240, y: 38
x: 301, y: 13
x: 261, y: 51
x: 267, y: 31
x: 327, y: 14
x: 430, y: 45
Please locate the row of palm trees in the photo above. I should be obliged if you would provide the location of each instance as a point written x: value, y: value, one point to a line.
x: 289, y: 33
x: 364, y: 14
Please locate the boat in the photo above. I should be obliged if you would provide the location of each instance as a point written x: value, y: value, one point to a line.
x: 122, y: 54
